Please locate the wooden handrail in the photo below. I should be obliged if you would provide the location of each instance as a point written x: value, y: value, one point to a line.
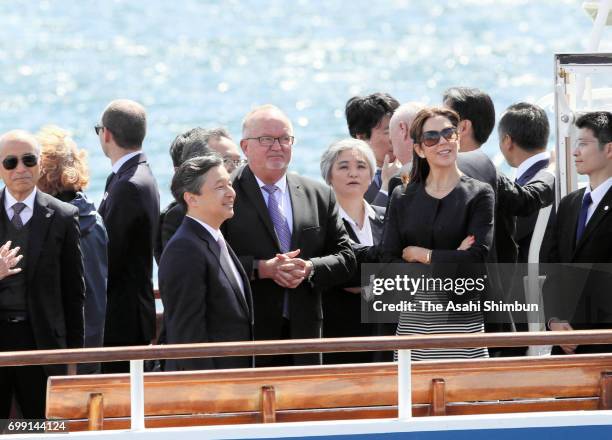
x: 224, y: 349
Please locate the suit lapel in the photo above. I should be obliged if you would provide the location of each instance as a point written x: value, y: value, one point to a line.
x: 299, y: 209
x: 377, y: 224
x: 249, y: 185
x: 131, y: 163
x: 214, y: 249
x: 39, y: 226
x: 350, y: 231
x: 532, y: 171
x: 600, y: 213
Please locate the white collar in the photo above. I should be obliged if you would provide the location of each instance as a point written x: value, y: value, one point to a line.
x: 527, y: 163
x: 369, y: 212
x: 9, y: 200
x: 598, y: 193
x: 281, y: 183
x: 216, y: 233
x: 124, y: 159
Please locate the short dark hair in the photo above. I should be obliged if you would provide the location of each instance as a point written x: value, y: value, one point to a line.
x: 600, y: 124
x: 191, y: 174
x: 363, y: 113
x: 127, y: 121
x: 420, y: 166
x: 195, y: 143
x: 474, y: 105
x: 526, y: 124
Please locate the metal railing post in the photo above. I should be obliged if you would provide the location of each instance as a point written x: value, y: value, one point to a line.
x: 137, y: 394
x: 404, y: 385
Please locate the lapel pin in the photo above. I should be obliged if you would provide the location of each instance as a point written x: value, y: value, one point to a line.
x: 606, y: 208
x: 48, y: 214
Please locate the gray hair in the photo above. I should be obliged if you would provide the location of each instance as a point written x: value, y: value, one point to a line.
x: 191, y: 175
x: 246, y: 122
x: 196, y: 141
x: 405, y: 113
x: 20, y: 136
x: 330, y: 156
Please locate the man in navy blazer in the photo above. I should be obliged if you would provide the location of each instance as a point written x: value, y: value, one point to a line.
x: 577, y: 292
x: 205, y: 291
x: 523, y: 136
x: 130, y: 210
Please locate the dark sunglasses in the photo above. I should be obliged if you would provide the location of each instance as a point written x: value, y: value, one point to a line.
x: 98, y: 128
x: 431, y: 138
x: 10, y: 162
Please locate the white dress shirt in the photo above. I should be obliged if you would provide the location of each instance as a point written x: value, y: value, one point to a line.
x: 364, y: 235
x: 216, y: 234
x: 284, y: 201
x: 27, y: 212
x: 117, y: 165
x: 526, y: 164
x: 596, y: 195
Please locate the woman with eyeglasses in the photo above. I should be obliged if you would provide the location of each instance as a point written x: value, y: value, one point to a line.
x: 445, y: 219
x: 64, y: 175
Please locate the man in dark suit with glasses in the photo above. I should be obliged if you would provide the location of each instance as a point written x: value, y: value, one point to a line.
x: 41, y: 300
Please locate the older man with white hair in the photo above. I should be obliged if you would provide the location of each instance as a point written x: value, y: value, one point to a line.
x: 399, y: 132
x: 41, y: 306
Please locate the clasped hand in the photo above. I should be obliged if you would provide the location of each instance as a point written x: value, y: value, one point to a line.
x: 286, y: 270
x: 8, y: 260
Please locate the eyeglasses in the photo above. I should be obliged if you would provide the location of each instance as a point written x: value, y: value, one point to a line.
x: 432, y: 137
x: 235, y: 162
x: 28, y: 159
x: 98, y: 128
x: 268, y: 141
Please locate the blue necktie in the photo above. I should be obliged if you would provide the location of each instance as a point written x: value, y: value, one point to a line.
x: 378, y: 177
x: 582, y: 217
x: 281, y: 226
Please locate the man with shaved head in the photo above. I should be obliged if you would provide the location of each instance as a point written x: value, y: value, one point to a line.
x: 403, y: 145
x: 287, y: 234
x: 130, y: 210
x: 41, y: 306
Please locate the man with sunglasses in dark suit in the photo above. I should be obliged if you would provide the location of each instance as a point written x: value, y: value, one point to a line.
x: 41, y: 306
x: 130, y: 210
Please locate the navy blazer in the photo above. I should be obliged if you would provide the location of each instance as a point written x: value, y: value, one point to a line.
x: 130, y: 211
x: 200, y: 304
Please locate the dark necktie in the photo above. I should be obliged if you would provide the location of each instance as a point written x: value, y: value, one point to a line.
x: 16, y: 220
x: 378, y: 177
x: 228, y: 267
x: 281, y: 226
x: 109, y: 179
x: 582, y: 217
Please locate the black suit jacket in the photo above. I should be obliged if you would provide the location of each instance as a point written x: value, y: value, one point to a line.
x: 578, y: 289
x: 524, y: 225
x: 317, y: 231
x: 130, y: 210
x: 54, y: 275
x: 200, y: 303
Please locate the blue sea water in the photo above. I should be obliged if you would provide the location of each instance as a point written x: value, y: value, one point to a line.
x: 206, y: 63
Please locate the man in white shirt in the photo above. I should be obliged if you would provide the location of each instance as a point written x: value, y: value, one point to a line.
x: 523, y: 137
x: 41, y: 306
x: 576, y: 297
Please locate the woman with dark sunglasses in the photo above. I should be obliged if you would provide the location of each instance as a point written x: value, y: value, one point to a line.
x: 444, y: 219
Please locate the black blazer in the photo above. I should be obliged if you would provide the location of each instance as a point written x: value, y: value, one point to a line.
x: 580, y: 293
x: 525, y: 225
x: 54, y: 275
x: 130, y: 210
x: 374, y: 197
x: 317, y: 231
x: 367, y: 254
x: 200, y: 304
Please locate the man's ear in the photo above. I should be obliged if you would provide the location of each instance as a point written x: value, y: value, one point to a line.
x: 243, y: 145
x: 608, y: 150
x: 464, y: 127
x: 362, y: 137
x: 404, y: 130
